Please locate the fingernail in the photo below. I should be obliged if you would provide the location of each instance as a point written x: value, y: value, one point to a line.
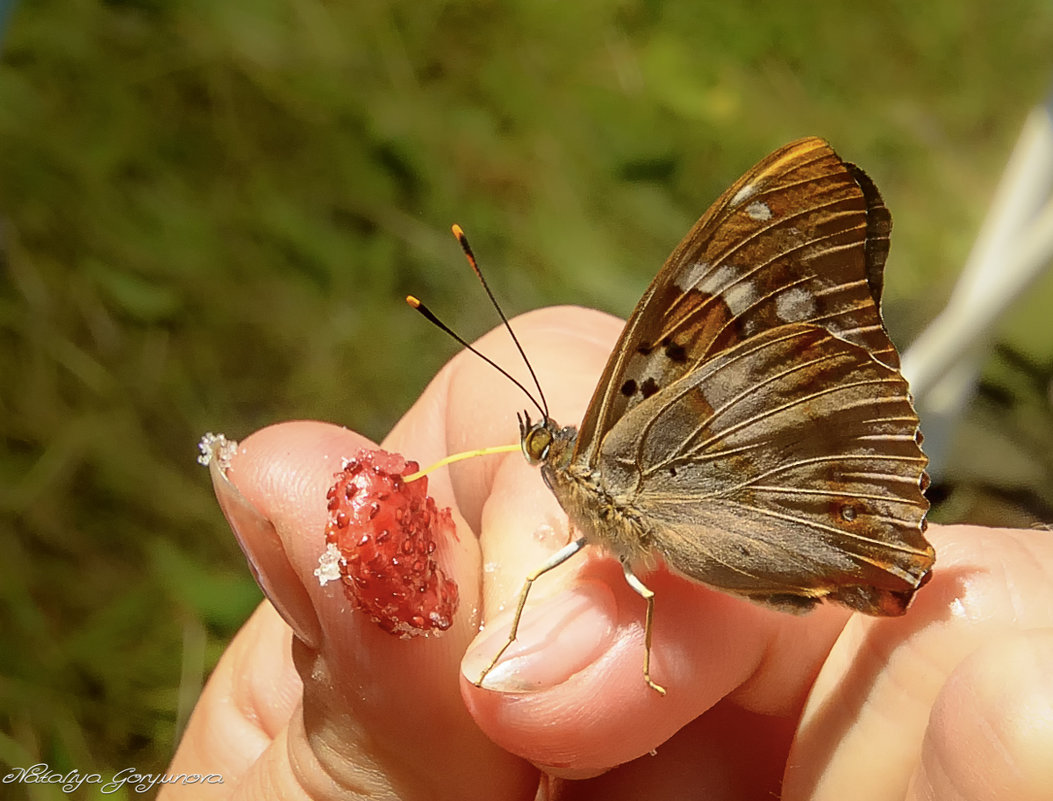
x: 557, y: 638
x: 266, y: 556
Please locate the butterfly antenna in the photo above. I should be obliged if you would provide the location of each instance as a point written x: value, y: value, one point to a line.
x: 429, y: 315
x: 463, y: 241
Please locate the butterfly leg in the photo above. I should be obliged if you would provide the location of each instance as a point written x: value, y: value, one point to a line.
x: 558, y: 558
x: 648, y: 595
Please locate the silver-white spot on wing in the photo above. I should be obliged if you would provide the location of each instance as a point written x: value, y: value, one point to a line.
x: 743, y: 194
x: 726, y: 282
x: 740, y: 297
x: 695, y: 275
x: 795, y: 304
x: 759, y: 211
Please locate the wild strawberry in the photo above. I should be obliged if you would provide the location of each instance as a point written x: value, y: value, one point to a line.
x: 381, y: 539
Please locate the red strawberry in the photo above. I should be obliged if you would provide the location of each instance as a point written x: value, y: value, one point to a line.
x: 384, y: 530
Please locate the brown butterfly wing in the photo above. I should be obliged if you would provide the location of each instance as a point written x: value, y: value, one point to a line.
x: 801, y: 237
x: 786, y: 469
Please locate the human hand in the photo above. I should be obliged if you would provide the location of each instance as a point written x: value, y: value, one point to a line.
x: 953, y: 700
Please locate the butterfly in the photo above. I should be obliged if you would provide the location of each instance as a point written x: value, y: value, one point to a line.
x: 751, y: 428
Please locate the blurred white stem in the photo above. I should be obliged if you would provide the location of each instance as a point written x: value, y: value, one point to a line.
x: 1014, y: 246
x: 1004, y: 261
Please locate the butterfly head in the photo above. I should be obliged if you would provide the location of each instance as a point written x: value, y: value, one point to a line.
x: 544, y: 442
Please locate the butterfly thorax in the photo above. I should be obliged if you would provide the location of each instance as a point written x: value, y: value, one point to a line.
x: 594, y: 512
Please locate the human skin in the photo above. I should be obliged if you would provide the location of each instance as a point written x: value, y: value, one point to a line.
x: 312, y: 701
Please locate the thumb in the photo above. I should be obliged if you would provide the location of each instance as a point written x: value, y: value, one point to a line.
x: 347, y: 707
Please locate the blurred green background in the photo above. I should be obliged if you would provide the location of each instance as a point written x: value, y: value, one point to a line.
x: 210, y: 213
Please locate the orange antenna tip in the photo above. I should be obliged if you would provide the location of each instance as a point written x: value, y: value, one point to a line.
x: 462, y: 240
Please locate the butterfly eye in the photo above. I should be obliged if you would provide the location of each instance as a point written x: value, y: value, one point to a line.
x: 536, y: 443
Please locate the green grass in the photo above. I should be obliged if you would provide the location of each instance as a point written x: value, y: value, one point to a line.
x: 210, y: 213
